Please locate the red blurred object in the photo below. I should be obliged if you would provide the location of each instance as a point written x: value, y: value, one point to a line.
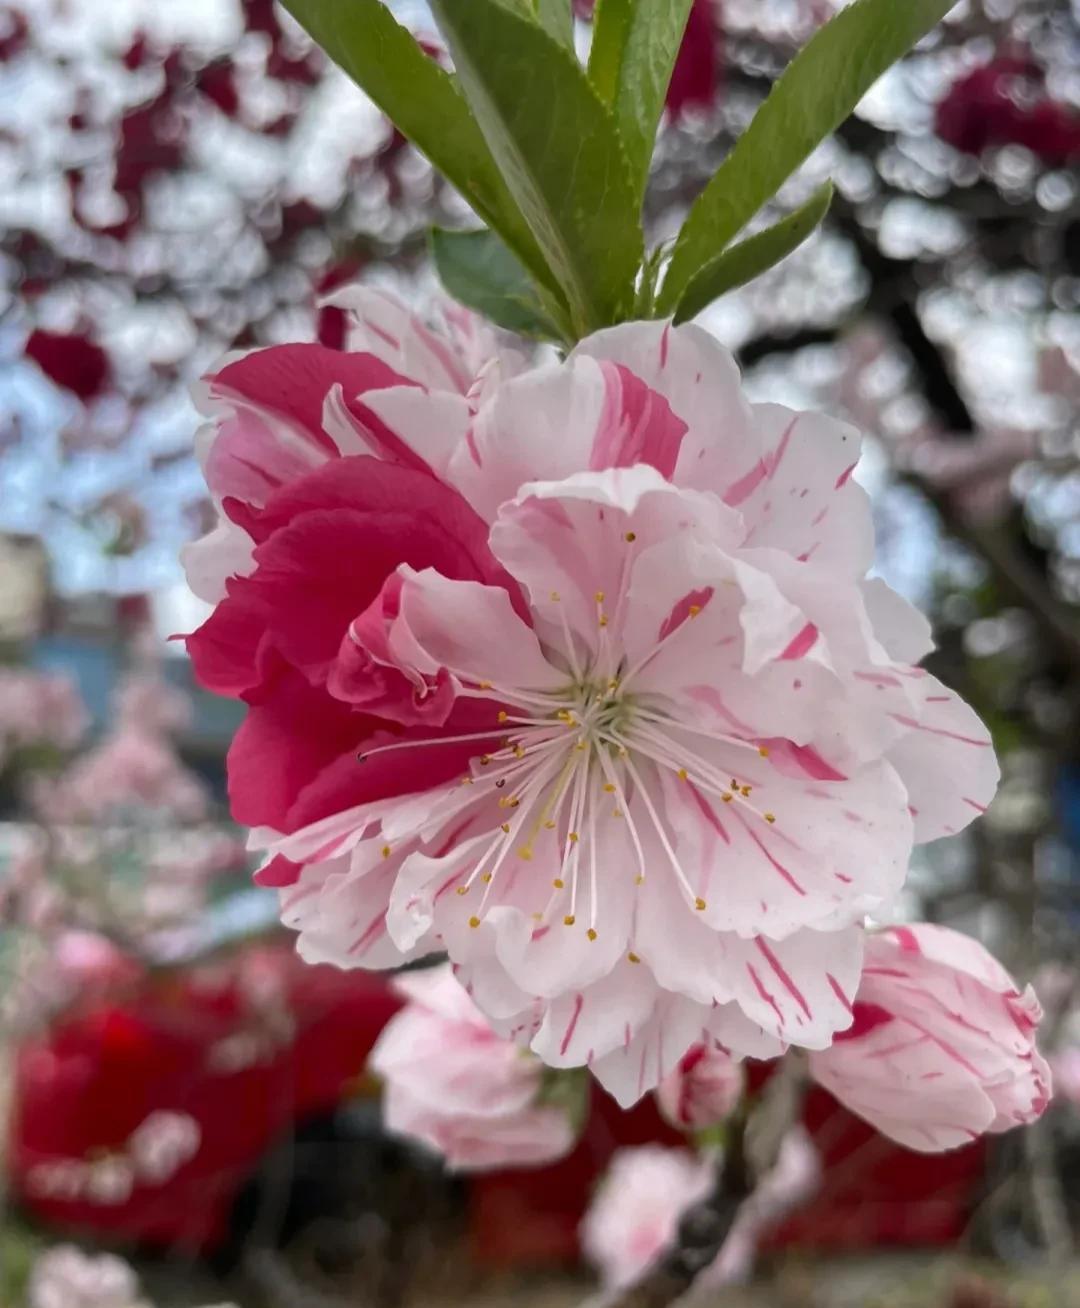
x: 14, y: 34
x: 247, y: 1048
x: 695, y: 79
x: 218, y: 83
x: 71, y: 361
x: 252, y: 1047
x: 333, y: 322
x: 1005, y: 103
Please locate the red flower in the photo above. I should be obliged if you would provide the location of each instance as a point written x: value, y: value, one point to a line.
x: 14, y: 34
x: 73, y: 362
x: 695, y: 78
x: 218, y: 83
x: 986, y: 108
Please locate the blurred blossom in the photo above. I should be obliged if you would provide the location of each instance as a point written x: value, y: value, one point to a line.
x: 472, y: 1096
x: 150, y: 704
x: 162, y: 1144
x: 128, y: 773
x: 703, y: 1089
x: 65, y: 1277
x: 942, y: 1048
x: 39, y: 708
x: 74, y: 363
x: 636, y: 1210
x: 1066, y: 1068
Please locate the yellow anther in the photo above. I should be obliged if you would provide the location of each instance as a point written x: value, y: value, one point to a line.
x: 505, y: 827
x: 727, y: 797
x: 683, y: 775
x: 554, y: 597
x: 613, y: 684
x: 603, y: 620
x: 462, y: 890
x: 599, y: 597
x: 581, y: 746
x: 474, y: 921
x: 519, y: 751
x: 609, y: 788
x: 466, y: 781
x: 483, y: 685
x: 630, y: 537
x: 503, y: 715
x: 770, y: 817
x: 616, y: 812
x: 745, y: 791
x: 734, y: 784
x: 564, y: 715
x: 558, y: 883
x: 763, y: 751
x: 538, y: 917
x: 525, y: 853
x: 513, y: 803
x: 573, y: 837
x: 695, y: 609
x: 632, y: 958
x: 699, y: 904
x: 639, y: 880
x: 486, y: 878
x: 549, y: 825
x: 569, y: 920
x: 485, y: 759
x: 386, y: 851
x: 622, y: 751
x: 591, y: 933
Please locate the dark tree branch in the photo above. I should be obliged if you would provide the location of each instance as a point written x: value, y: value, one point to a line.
x: 701, y: 1234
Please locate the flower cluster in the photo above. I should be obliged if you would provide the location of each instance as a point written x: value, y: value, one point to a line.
x: 573, y: 673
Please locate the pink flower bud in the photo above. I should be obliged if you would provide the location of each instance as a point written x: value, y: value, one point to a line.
x: 703, y: 1090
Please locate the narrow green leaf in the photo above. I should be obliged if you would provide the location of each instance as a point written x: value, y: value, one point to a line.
x: 479, y: 270
x: 634, y: 46
x: 743, y: 262
x: 364, y: 38
x: 557, y: 18
x: 817, y: 91
x: 557, y: 149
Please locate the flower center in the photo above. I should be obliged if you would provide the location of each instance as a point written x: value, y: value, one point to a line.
x: 570, y: 761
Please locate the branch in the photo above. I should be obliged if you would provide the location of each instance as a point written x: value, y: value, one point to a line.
x: 701, y: 1233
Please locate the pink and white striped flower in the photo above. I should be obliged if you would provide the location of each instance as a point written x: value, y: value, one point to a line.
x: 637, y: 738
x: 474, y: 1098
x: 943, y: 1044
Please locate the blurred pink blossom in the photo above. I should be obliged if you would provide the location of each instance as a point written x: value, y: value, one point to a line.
x: 39, y: 708
x: 636, y: 1211
x: 65, y: 1277
x: 162, y: 1144
x: 149, y: 704
x: 451, y: 1082
x: 125, y: 775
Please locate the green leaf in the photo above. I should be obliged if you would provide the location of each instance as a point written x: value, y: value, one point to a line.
x: 479, y: 270
x: 557, y: 149
x: 634, y: 46
x: 382, y: 57
x: 747, y: 260
x: 556, y: 17
x: 816, y: 92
